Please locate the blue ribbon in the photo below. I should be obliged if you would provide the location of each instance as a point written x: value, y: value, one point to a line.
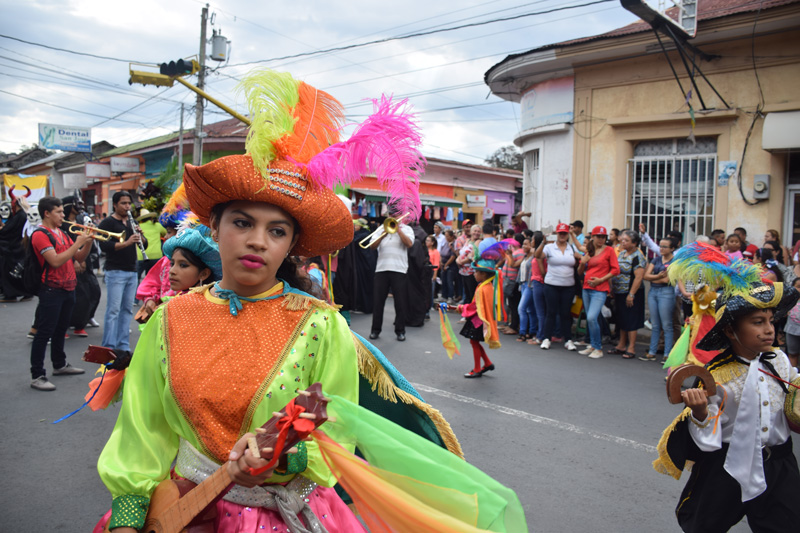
x: 235, y: 301
x: 102, y: 377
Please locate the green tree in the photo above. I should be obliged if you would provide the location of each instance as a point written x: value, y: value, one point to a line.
x: 506, y: 157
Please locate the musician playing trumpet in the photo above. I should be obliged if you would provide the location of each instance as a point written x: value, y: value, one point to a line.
x: 120, y: 272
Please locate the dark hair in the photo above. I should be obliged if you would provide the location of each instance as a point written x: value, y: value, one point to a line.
x: 778, y: 250
x: 538, y: 237
x: 193, y: 260
x: 675, y: 234
x: 765, y: 254
x: 290, y: 270
x: 633, y: 236
x: 118, y: 196
x: 48, y: 203
x: 615, y: 232
x: 740, y: 229
x: 488, y: 228
x: 717, y: 232
x: 519, y: 237
x: 528, y: 233
x: 734, y: 236
x: 578, y: 224
x: 509, y: 233
x: 672, y: 242
x: 590, y: 249
x: 449, y: 232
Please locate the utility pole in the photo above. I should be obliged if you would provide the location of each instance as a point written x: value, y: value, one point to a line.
x: 180, y: 145
x: 197, y: 154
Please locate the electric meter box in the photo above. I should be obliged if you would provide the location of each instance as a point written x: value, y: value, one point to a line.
x: 761, y: 186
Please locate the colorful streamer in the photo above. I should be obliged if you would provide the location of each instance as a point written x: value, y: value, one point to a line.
x: 407, y: 483
x: 449, y: 340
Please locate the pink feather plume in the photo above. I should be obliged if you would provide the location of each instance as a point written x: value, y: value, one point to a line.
x: 385, y: 145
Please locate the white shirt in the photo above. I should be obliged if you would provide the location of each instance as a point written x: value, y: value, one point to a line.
x: 560, y: 266
x: 441, y: 241
x: 747, y: 430
x: 392, y: 253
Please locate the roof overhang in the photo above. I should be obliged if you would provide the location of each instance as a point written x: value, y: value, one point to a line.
x: 513, y: 76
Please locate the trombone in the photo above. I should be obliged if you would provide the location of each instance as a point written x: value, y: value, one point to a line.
x: 99, y: 234
x: 390, y: 226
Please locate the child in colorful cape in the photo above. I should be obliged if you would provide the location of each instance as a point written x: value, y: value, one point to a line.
x: 481, y: 323
x: 738, y: 439
x: 213, y: 365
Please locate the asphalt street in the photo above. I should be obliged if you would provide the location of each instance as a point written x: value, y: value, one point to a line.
x: 573, y: 436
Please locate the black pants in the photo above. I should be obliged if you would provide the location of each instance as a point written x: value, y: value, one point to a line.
x: 87, y: 298
x: 559, y: 301
x: 712, y: 500
x: 52, y: 316
x: 143, y: 267
x: 511, y: 297
x: 470, y: 284
x: 398, y: 283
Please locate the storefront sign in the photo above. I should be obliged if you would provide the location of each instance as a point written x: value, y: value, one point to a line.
x: 74, y: 181
x: 124, y: 164
x: 67, y: 138
x: 474, y: 200
x: 98, y: 170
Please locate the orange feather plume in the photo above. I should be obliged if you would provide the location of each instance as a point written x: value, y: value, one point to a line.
x: 319, y: 117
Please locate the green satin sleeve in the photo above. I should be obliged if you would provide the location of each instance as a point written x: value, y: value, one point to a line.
x: 324, y: 351
x: 142, y: 446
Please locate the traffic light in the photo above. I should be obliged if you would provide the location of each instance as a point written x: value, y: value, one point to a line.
x: 181, y: 67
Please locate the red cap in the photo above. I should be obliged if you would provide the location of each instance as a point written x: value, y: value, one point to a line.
x: 562, y: 228
x: 599, y: 230
x: 750, y: 251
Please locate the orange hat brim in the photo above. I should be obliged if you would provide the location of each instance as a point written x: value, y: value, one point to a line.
x: 325, y: 223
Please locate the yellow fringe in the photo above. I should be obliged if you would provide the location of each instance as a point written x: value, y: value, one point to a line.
x: 299, y: 302
x: 373, y: 371
x: 664, y: 464
x: 727, y: 372
x: 494, y: 345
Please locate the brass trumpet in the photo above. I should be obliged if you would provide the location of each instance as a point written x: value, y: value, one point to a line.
x: 390, y: 226
x: 99, y: 234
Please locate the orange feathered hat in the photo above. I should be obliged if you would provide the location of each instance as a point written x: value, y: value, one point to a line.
x: 294, y: 159
x: 325, y: 223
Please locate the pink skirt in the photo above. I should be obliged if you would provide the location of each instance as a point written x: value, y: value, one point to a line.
x: 332, y: 512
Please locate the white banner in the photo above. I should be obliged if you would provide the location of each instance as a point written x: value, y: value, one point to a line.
x: 124, y: 164
x: 67, y: 138
x: 74, y: 181
x: 474, y: 200
x: 98, y: 170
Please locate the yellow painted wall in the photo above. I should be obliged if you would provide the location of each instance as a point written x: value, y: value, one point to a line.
x: 622, y: 102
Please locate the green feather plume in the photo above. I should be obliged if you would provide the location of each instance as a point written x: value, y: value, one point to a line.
x: 271, y: 97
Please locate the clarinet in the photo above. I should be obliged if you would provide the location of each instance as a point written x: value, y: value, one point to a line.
x: 138, y: 230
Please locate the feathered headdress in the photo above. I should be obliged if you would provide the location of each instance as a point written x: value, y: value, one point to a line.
x: 176, y: 211
x: 702, y: 262
x: 294, y: 121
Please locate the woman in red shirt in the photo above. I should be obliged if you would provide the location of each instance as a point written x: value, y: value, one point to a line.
x: 598, y: 266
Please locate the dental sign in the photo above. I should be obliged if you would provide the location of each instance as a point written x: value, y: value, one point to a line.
x: 66, y: 138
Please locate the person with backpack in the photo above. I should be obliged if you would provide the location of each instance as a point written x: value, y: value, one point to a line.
x: 50, y: 262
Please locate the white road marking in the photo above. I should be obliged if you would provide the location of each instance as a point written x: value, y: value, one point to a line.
x: 536, y: 418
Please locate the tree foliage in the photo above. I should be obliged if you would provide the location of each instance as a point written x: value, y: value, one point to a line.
x: 506, y: 157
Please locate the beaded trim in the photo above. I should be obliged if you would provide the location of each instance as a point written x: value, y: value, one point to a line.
x: 286, y: 173
x: 287, y: 192
x: 289, y: 183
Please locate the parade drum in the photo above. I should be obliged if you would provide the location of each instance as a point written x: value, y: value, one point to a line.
x: 679, y: 375
x: 791, y: 405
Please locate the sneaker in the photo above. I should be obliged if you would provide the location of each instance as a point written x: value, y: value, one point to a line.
x: 648, y: 325
x: 41, y: 383
x: 596, y: 354
x: 570, y: 346
x: 67, y: 370
x: 80, y: 333
x: 31, y: 334
x: 545, y: 344
x: 94, y: 323
x: 586, y: 351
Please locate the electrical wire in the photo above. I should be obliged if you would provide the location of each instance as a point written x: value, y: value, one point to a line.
x: 68, y: 108
x: 421, y: 34
x: 69, y: 51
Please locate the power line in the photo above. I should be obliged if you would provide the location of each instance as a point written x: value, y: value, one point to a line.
x: 420, y: 34
x: 67, y: 108
x: 68, y: 51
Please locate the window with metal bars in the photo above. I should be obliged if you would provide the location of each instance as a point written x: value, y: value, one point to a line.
x: 671, y: 185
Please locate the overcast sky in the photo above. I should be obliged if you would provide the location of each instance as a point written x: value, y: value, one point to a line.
x: 441, y: 73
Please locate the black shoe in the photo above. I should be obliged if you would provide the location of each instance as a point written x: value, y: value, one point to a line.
x: 473, y: 374
x: 374, y: 335
x: 487, y: 368
x: 401, y: 337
